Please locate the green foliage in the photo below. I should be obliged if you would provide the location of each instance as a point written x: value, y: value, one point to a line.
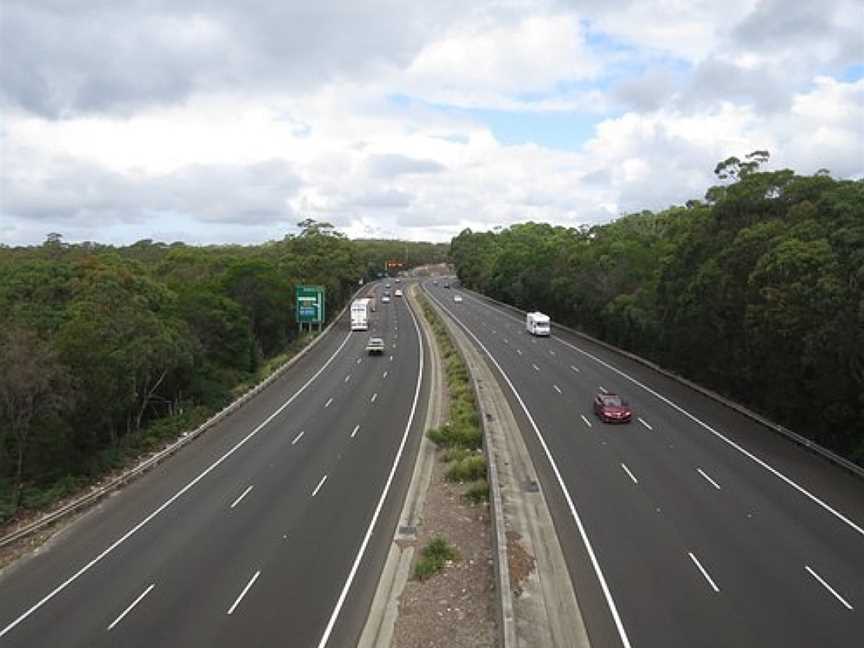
x: 467, y: 469
x: 114, y: 351
x: 433, y: 557
x: 758, y: 292
x: 462, y: 430
x: 477, y: 492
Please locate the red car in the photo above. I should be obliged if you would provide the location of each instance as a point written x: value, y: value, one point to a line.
x: 611, y: 409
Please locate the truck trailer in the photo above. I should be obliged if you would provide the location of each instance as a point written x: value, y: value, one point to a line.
x: 360, y: 309
x: 537, y: 324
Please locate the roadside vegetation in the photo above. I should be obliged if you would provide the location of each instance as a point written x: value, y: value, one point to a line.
x: 757, y: 291
x: 107, y: 352
x: 461, y: 437
x: 433, y: 557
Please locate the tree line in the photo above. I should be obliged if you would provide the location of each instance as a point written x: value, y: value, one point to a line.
x: 757, y: 291
x: 106, y: 351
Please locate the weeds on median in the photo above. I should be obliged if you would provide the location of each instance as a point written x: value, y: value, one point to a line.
x: 478, y: 492
x: 462, y: 430
x: 467, y: 469
x: 433, y: 557
x: 461, y: 438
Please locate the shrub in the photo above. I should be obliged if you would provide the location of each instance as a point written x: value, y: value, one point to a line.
x: 433, y: 557
x: 458, y: 435
x: 477, y: 492
x: 455, y: 454
x: 468, y: 469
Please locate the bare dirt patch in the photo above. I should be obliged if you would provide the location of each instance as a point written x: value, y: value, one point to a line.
x: 454, y: 608
x: 521, y: 562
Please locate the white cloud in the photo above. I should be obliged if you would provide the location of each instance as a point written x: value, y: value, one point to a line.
x: 231, y: 147
x: 492, y: 65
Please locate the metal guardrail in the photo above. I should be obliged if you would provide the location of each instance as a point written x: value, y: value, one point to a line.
x: 152, y: 461
x: 803, y: 441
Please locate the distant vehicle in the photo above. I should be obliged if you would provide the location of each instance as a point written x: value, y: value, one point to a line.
x: 446, y: 284
x: 537, y: 324
x: 398, y: 280
x: 360, y: 309
x: 612, y: 409
x: 374, y: 346
x: 385, y: 299
x: 457, y: 299
x: 398, y: 292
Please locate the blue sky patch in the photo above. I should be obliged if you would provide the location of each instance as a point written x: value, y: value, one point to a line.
x: 559, y: 130
x: 852, y: 73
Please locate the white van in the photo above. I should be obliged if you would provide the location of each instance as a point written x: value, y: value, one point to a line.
x: 537, y: 324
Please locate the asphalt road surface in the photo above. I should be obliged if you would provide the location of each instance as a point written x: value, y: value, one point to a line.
x: 691, y: 526
x: 260, y: 533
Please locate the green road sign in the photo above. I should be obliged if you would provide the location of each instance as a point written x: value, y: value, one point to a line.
x: 310, y: 304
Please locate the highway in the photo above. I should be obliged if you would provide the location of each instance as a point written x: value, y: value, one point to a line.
x: 269, y: 530
x: 691, y: 526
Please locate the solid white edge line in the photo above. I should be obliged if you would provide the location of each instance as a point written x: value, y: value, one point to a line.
x: 242, y: 495
x: 607, y: 594
x: 355, y: 430
x: 131, y: 605
x: 584, y: 418
x: 630, y: 474
x: 603, y: 389
x: 645, y: 423
x: 320, y: 484
x: 813, y: 498
x: 704, y: 573
x: 558, y: 389
x: 708, y: 479
x: 329, y: 401
x: 298, y: 437
x: 360, y: 553
x: 576, y: 369
x: 173, y: 498
x: 825, y: 584
x: 789, y: 482
x: 243, y: 593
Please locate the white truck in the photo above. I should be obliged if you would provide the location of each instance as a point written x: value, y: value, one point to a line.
x: 537, y: 323
x: 360, y: 309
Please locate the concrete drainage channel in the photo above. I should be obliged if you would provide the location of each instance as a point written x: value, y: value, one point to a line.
x: 535, y: 602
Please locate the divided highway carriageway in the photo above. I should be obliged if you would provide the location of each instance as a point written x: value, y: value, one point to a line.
x: 271, y: 529
x: 693, y: 526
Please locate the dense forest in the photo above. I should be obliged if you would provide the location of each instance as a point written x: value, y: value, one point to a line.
x: 756, y: 291
x: 106, y: 351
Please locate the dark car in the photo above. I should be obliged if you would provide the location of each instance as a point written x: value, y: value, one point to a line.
x: 612, y: 409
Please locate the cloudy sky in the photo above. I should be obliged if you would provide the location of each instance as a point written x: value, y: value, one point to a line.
x: 224, y: 121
